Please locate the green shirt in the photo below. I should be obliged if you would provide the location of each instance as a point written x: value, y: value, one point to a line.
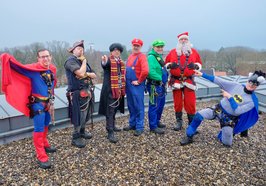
x: 155, y: 69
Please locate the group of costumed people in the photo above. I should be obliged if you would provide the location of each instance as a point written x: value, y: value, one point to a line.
x: 236, y: 112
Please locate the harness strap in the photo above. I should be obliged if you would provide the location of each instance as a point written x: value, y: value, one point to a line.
x: 154, y: 82
x: 182, y: 68
x: 181, y: 78
x: 224, y: 118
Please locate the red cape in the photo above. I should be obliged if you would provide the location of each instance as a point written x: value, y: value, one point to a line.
x: 17, y: 87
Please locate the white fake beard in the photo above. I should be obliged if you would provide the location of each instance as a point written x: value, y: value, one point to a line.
x: 184, y: 48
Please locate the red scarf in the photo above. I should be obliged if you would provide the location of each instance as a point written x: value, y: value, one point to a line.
x: 117, y: 91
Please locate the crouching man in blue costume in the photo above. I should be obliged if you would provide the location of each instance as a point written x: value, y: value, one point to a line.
x: 236, y: 112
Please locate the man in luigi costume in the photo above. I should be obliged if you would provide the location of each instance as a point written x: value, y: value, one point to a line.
x: 156, y: 81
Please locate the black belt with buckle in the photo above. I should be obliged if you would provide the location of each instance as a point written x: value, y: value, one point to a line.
x: 34, y: 99
x: 180, y: 78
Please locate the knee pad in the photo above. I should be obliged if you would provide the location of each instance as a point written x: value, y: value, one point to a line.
x: 227, y: 135
x: 192, y: 128
x: 198, y: 117
x: 190, y: 131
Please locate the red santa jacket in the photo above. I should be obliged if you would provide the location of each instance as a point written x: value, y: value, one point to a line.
x: 141, y: 68
x: 187, y: 73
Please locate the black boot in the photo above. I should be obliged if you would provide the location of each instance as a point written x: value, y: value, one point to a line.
x: 116, y: 129
x: 244, y: 134
x: 186, y: 140
x: 84, y: 134
x: 44, y: 165
x: 160, y: 125
x: 111, y: 137
x: 77, y: 141
x: 190, y: 118
x: 138, y: 132
x: 50, y: 149
x: 179, y: 121
x: 157, y: 131
x: 128, y: 128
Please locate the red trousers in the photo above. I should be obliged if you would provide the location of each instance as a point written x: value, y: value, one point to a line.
x: 187, y: 96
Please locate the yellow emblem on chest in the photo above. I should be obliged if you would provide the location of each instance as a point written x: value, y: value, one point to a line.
x: 238, y: 98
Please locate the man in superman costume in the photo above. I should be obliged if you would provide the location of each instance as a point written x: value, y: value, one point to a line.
x: 30, y: 89
x: 236, y: 112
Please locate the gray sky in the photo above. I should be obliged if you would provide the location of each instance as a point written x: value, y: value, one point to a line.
x: 211, y: 23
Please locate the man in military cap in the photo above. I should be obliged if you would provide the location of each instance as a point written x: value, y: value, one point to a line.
x: 79, y: 92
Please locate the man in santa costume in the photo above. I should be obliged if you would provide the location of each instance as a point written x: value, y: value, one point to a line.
x: 181, y: 61
x: 35, y: 83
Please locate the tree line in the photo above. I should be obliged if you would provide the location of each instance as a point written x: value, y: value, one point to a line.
x: 232, y: 60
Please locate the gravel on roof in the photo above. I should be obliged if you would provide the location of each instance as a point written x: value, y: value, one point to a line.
x: 146, y: 160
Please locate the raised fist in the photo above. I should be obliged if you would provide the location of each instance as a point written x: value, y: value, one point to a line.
x: 81, y: 58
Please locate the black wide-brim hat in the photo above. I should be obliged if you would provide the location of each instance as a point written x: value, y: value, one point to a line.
x: 76, y: 44
x: 117, y: 46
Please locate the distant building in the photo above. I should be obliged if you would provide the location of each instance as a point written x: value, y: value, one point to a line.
x: 91, y: 47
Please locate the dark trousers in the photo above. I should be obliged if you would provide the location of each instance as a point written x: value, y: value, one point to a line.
x: 81, y: 126
x: 110, y: 118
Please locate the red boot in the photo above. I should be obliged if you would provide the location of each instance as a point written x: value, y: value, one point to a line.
x: 42, y: 157
x: 48, y: 148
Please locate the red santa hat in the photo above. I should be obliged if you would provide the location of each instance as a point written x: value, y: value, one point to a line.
x: 183, y: 35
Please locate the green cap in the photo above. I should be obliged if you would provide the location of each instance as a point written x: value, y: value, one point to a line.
x: 158, y: 43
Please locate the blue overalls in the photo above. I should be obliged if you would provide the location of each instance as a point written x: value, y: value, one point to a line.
x: 135, y: 98
x: 157, y: 94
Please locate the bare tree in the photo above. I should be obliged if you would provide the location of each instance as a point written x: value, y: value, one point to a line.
x: 60, y: 54
x: 208, y: 58
x: 232, y: 59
